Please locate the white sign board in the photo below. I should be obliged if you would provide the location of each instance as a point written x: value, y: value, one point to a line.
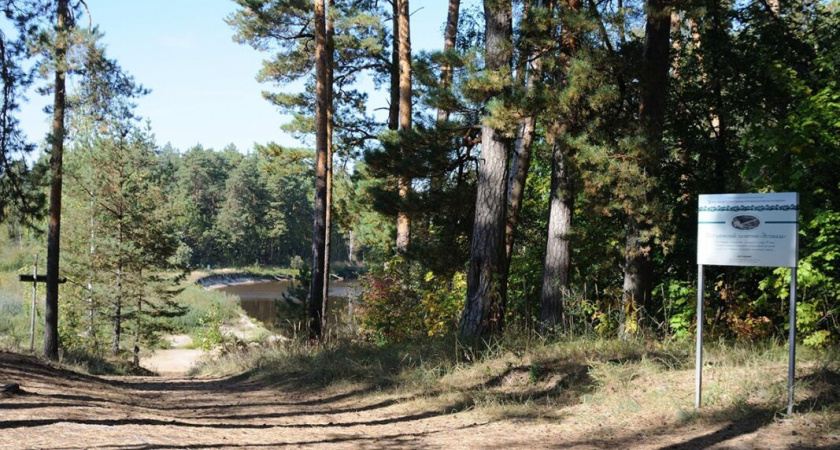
x: 748, y: 230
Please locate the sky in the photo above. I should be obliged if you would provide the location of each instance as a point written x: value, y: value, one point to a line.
x: 204, y: 88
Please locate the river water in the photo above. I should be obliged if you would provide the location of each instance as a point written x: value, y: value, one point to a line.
x: 259, y: 299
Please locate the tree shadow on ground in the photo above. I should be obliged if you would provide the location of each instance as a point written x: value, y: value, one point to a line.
x: 824, y: 387
x: 737, y: 420
x: 403, y: 440
x: 26, y: 367
x: 561, y: 382
x: 448, y: 409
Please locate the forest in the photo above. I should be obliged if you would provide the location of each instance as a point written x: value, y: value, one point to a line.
x: 516, y: 230
x: 548, y: 159
x: 538, y: 176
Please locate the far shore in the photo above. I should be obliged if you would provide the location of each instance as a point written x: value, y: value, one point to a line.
x: 220, y: 280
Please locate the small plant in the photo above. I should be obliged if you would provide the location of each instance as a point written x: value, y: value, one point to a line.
x: 534, y: 371
x: 680, y: 305
x: 209, y: 331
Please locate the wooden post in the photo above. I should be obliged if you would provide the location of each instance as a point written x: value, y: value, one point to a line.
x: 35, y: 279
x: 32, y: 311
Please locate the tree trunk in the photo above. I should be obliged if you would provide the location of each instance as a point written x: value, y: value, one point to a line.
x: 137, y: 325
x: 622, y: 32
x: 775, y: 7
x: 653, y: 84
x: 676, y: 44
x: 521, y: 161
x: 404, y: 183
x: 450, y: 34
x: 352, y: 248
x: 558, y: 251
x: 91, y: 307
x: 558, y: 255
x: 520, y: 165
x: 115, y: 344
x: 330, y: 30
x: 486, y: 281
x: 316, y: 288
x: 394, y: 105
x: 57, y: 140
x: 723, y: 163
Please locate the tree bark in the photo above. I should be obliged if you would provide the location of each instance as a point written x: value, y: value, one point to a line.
x: 137, y: 324
x: 91, y: 307
x: 558, y: 250
x: 720, y: 128
x: 450, y: 34
x: 115, y: 343
x: 394, y: 105
x: 521, y: 161
x: 330, y: 50
x: 316, y: 288
x: 486, y: 280
x: 558, y: 255
x: 57, y: 140
x: 404, y: 182
x: 653, y: 85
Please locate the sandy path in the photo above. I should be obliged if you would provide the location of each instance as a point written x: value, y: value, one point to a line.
x: 63, y: 410
x: 174, y: 361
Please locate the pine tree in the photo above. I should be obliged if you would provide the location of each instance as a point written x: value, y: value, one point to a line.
x: 638, y: 269
x: 558, y: 253
x: 64, y: 24
x: 402, y: 38
x: 16, y: 191
x: 486, y: 279
x: 241, y: 219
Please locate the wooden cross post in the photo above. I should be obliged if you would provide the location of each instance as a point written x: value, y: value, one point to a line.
x: 35, y: 279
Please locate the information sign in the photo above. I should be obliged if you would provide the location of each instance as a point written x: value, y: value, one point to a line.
x: 748, y: 229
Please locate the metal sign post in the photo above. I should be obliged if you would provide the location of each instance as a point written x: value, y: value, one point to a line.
x: 792, y: 340
x: 751, y: 230
x: 698, y: 372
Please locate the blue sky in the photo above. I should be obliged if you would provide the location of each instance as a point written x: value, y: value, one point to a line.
x: 203, y: 84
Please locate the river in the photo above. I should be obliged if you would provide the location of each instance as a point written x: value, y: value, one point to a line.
x: 258, y: 299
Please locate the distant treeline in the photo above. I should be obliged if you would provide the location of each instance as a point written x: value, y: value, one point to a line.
x: 235, y: 210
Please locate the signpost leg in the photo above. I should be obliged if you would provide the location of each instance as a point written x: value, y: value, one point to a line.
x: 792, y: 341
x: 698, y: 386
x: 32, y: 310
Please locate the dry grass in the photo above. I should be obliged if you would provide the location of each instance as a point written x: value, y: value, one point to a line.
x: 515, y: 394
x: 600, y: 385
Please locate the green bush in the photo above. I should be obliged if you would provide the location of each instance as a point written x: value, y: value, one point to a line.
x: 818, y: 282
x: 14, y: 321
x: 209, y: 331
x: 401, y: 301
x: 680, y: 306
x: 199, y: 303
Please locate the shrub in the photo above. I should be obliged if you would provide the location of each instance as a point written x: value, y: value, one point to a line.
x: 401, y: 300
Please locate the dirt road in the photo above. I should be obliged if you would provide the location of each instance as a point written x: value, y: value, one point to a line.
x: 64, y: 410
x: 175, y: 360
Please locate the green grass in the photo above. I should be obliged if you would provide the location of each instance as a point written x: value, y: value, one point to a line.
x: 256, y: 270
x: 19, y: 259
x: 15, y: 298
x: 199, y: 303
